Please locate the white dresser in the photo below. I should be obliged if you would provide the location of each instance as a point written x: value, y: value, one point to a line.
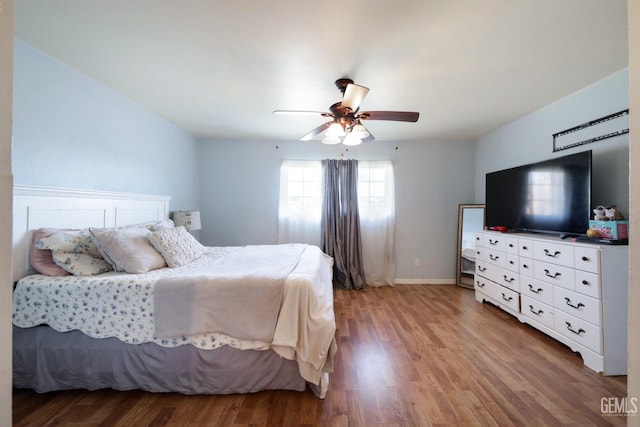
x: 574, y: 292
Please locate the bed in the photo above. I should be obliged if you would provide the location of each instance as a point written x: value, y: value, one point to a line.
x: 230, y: 320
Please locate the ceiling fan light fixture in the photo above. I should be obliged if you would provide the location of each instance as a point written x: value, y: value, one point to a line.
x: 360, y: 131
x: 331, y: 140
x: 335, y: 130
x: 352, y: 139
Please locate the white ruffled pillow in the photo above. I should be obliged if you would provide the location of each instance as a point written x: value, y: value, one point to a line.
x: 128, y: 249
x: 75, y: 252
x: 177, y: 246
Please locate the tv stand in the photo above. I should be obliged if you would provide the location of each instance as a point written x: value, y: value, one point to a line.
x: 574, y: 292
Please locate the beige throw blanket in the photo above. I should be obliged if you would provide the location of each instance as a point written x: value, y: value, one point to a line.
x: 240, y: 296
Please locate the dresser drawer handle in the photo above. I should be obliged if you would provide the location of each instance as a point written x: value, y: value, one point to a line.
x: 586, y: 282
x: 493, y: 258
x: 479, y: 284
x: 584, y: 258
x: 493, y: 242
x: 553, y: 276
x: 524, y: 248
x: 577, y: 307
x: 511, y: 262
x: 504, y: 297
x: 552, y: 255
x: 525, y: 266
x: 578, y: 332
x: 507, y: 279
x: 482, y: 269
x: 537, y: 313
x: 510, y: 245
x: 535, y: 291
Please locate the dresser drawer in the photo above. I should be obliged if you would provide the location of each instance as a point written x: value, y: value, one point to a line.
x: 525, y: 248
x: 494, y: 241
x: 526, y: 266
x: 512, y: 263
x: 587, y: 259
x: 501, y: 295
x: 556, y: 274
x: 578, y: 330
x: 511, y: 245
x: 479, y: 239
x: 537, y: 289
x: 588, y: 283
x: 495, y: 257
x: 495, y: 273
x: 578, y: 305
x: 502, y: 276
x: 553, y: 253
x: 537, y: 311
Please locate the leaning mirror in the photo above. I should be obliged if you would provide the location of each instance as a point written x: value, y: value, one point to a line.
x: 470, y: 220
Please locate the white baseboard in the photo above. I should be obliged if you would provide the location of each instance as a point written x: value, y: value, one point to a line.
x: 425, y: 281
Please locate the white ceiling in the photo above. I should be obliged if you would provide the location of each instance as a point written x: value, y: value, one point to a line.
x: 219, y: 68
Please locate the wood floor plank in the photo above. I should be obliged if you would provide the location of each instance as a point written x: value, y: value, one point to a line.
x: 413, y: 355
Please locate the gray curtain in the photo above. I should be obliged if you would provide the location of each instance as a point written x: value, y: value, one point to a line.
x: 341, y: 222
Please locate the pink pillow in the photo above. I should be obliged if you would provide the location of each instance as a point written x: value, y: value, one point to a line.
x: 41, y: 259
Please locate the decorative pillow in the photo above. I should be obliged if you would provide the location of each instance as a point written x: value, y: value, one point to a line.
x: 75, y: 252
x: 41, y: 259
x: 176, y: 245
x: 159, y: 225
x: 128, y: 249
x: 80, y: 264
x: 75, y: 241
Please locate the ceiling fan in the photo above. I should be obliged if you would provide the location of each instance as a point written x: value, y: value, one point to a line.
x: 345, y: 125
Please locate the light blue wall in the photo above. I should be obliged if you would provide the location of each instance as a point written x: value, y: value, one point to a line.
x: 70, y: 131
x: 529, y: 139
x: 73, y: 132
x: 240, y: 189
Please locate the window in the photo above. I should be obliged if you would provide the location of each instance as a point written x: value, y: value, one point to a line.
x: 300, y: 212
x: 302, y: 188
x: 375, y: 190
x: 300, y: 207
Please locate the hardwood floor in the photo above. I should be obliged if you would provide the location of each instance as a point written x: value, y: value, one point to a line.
x: 413, y: 355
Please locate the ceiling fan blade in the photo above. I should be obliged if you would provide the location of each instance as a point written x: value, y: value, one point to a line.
x: 301, y: 112
x: 317, y: 131
x: 368, y: 138
x: 353, y: 96
x: 398, y: 116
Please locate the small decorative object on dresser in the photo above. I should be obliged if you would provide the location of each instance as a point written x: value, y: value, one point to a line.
x: 608, y: 223
x: 573, y: 292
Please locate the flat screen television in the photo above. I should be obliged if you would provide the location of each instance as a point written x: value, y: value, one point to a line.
x: 552, y: 196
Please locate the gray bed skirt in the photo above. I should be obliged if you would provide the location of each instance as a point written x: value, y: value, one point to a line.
x: 46, y: 360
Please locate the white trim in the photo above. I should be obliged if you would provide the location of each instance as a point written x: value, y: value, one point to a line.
x: 425, y: 281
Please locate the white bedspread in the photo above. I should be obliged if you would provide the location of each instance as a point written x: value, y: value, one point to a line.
x: 241, y: 295
x: 121, y: 305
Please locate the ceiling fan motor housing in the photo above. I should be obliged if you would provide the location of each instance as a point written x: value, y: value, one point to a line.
x: 343, y: 83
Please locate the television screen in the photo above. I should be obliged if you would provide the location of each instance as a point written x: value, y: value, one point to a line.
x: 553, y: 196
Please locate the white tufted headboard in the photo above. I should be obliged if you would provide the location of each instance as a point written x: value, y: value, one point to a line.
x: 40, y: 207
